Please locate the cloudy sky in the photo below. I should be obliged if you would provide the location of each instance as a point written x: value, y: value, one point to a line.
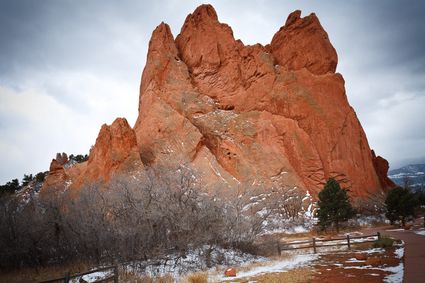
x: 67, y: 67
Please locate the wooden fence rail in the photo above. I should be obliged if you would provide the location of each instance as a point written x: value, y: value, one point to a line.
x: 316, y: 243
x: 68, y: 277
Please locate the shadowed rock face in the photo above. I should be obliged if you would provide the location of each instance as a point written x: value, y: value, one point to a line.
x: 241, y: 114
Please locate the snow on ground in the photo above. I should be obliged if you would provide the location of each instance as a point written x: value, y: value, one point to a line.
x: 399, y: 252
x: 354, y: 260
x: 274, y: 266
x: 396, y: 272
x: 195, y: 260
x: 395, y: 276
x: 420, y: 232
x: 93, y: 277
x: 289, y: 229
x: 368, y: 221
x: 375, y: 250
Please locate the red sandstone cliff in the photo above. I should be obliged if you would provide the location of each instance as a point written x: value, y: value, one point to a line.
x: 241, y: 114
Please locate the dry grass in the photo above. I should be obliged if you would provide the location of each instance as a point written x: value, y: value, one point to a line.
x: 129, y: 277
x: 26, y: 275
x: 198, y: 277
x: 300, y: 275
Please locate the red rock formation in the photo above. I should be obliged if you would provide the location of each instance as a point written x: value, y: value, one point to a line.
x: 242, y: 114
x: 57, y: 176
x: 258, y: 112
x: 303, y: 43
x: 381, y: 167
x: 115, y: 151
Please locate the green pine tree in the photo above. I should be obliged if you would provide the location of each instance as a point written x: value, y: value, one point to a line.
x: 10, y: 187
x: 334, y: 205
x: 27, y: 179
x: 400, y: 204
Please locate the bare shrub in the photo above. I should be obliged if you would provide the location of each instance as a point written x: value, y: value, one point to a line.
x: 154, y: 213
x: 372, y: 205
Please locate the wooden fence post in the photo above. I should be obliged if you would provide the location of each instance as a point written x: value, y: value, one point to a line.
x: 279, y: 250
x: 348, y: 242
x: 379, y: 235
x: 314, y: 245
x: 116, y: 274
x: 66, y: 277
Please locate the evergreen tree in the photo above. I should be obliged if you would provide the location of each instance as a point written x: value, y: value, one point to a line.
x: 27, y: 179
x: 400, y: 204
x: 40, y: 176
x: 10, y: 187
x: 334, y: 205
x: 79, y: 158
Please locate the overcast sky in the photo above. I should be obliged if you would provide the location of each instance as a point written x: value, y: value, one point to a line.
x: 67, y: 67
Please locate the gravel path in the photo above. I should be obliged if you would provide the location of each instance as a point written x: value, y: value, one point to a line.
x: 414, y: 257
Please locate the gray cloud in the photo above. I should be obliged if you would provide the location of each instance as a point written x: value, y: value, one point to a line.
x: 69, y: 66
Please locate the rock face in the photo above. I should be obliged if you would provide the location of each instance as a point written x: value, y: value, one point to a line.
x: 57, y: 175
x: 242, y: 115
x: 261, y: 113
x: 115, y: 153
x: 381, y: 167
x: 303, y: 43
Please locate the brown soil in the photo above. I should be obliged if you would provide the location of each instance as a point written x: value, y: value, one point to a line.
x: 337, y: 267
x: 414, y: 263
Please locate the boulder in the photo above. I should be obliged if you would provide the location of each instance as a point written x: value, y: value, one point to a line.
x: 230, y: 272
x: 360, y: 256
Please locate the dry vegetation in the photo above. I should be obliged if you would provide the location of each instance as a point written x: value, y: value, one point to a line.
x: 149, y: 216
x: 299, y: 275
x: 198, y: 277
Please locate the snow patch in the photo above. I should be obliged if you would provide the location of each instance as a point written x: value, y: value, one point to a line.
x: 399, y: 253
x: 93, y: 277
x: 277, y: 266
x: 397, y: 274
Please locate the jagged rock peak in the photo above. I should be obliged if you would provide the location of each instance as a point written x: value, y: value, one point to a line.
x: 203, y: 14
x: 115, y: 150
x: 382, y: 166
x: 295, y: 15
x: 303, y: 43
x: 161, y: 34
x: 114, y: 141
x: 162, y: 41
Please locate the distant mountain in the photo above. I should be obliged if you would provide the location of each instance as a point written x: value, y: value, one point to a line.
x: 414, y: 173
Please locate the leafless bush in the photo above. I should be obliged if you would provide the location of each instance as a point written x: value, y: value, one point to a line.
x: 372, y: 205
x: 287, y: 201
x: 148, y: 215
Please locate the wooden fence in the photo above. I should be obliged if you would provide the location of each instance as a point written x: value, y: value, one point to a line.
x: 68, y: 277
x: 315, y: 243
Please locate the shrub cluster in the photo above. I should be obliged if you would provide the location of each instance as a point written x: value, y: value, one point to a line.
x: 135, y: 218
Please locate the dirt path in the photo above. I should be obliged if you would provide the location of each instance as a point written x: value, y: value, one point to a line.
x: 414, y: 257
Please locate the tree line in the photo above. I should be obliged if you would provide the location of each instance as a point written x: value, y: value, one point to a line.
x: 398, y: 205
